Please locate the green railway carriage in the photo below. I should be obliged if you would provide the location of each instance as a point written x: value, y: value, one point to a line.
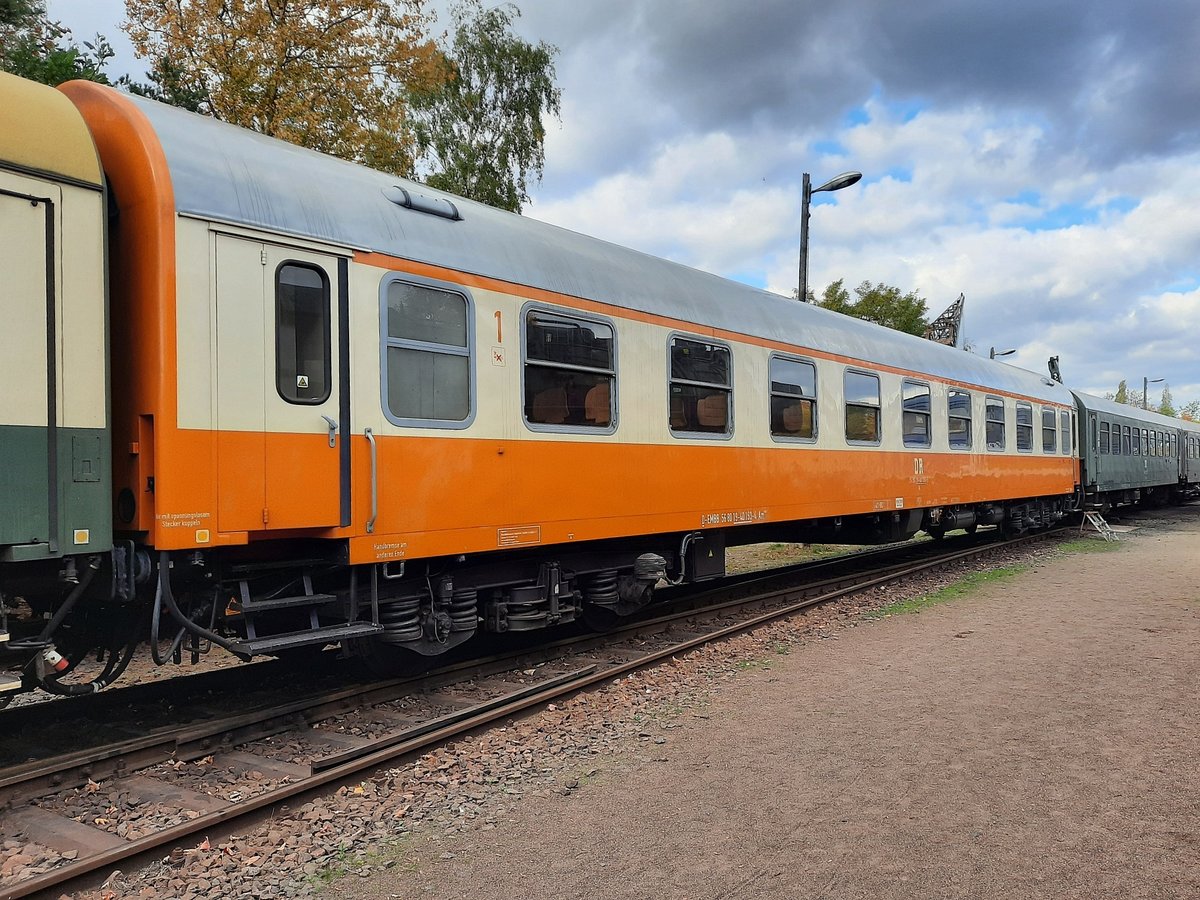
x: 1189, y: 457
x: 1131, y: 455
x: 55, y: 445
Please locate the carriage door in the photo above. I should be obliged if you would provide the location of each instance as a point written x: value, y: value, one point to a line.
x: 28, y: 394
x: 279, y: 394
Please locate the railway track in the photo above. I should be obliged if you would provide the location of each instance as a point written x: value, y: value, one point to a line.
x: 290, y: 750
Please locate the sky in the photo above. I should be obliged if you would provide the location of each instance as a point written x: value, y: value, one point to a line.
x: 1041, y: 157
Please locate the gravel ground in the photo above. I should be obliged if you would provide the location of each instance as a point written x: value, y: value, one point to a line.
x: 1035, y: 739
x: 437, y: 826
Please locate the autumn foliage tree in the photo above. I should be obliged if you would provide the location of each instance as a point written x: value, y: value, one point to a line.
x: 331, y: 75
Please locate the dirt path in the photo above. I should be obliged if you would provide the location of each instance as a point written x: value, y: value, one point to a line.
x: 1040, y: 738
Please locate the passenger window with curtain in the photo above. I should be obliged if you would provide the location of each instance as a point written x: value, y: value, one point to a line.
x: 701, y: 388
x: 861, y: 392
x: 958, y: 407
x: 570, y: 371
x: 1049, y: 432
x: 1025, y: 429
x: 302, y: 345
x: 917, y: 414
x: 994, y: 415
x: 1064, y: 427
x: 427, y: 355
x: 793, y: 398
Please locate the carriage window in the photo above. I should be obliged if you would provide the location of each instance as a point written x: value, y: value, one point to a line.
x: 1135, y: 445
x: 427, y: 355
x: 302, y: 355
x: 1116, y: 439
x: 570, y: 372
x: 1104, y: 437
x: 995, y: 423
x: 1145, y: 442
x: 793, y: 398
x: 1049, y: 440
x: 959, y: 419
x: 1064, y: 426
x: 1025, y: 429
x: 1126, y: 443
x: 701, y: 389
x: 916, y: 414
x: 862, y: 406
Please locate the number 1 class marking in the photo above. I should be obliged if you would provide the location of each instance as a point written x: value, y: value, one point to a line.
x: 499, y: 328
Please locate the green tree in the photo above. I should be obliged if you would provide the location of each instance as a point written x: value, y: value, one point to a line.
x: 35, y: 47
x: 1191, y: 411
x: 332, y: 75
x: 167, y: 84
x: 1166, y: 405
x: 879, y: 303
x: 481, y: 133
x: 1122, y: 394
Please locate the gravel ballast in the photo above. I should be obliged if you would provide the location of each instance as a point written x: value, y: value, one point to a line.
x: 672, y: 782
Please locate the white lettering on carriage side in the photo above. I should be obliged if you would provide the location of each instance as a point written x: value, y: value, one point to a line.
x: 181, y: 520
x: 738, y: 517
x: 393, y: 550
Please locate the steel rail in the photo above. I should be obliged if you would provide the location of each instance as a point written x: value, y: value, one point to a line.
x: 344, y: 766
x: 193, y: 740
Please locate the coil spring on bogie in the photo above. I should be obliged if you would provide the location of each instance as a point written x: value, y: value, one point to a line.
x: 401, y: 619
x: 601, y: 588
x: 464, y: 615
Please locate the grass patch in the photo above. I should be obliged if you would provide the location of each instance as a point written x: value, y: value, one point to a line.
x: 961, y: 588
x: 1088, y: 545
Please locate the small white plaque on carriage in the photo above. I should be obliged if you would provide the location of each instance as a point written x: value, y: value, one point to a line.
x: 302, y: 381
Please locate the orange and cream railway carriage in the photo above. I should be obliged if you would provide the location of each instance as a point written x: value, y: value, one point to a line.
x: 348, y: 408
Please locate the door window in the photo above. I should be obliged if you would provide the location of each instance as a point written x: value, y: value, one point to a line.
x: 302, y: 357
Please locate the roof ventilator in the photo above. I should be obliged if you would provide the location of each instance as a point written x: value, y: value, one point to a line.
x: 435, y: 206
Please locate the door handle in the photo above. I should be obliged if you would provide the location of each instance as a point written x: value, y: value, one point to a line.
x: 333, y: 427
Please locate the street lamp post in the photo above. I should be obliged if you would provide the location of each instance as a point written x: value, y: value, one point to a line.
x: 1146, y: 382
x: 807, y: 190
x: 996, y: 352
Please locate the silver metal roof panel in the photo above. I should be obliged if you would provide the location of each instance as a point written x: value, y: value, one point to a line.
x: 1094, y: 404
x: 226, y: 173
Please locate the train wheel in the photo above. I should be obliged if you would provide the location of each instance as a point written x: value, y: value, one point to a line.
x: 936, y: 532
x: 971, y: 529
x: 387, y: 660
x: 601, y: 618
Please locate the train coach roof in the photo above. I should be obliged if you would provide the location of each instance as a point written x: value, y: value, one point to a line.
x: 1101, y: 405
x: 229, y: 174
x: 42, y: 131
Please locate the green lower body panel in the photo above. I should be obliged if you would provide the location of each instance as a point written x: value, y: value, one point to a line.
x: 38, y: 522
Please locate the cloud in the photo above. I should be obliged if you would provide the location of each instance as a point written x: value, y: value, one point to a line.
x: 1037, y: 155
